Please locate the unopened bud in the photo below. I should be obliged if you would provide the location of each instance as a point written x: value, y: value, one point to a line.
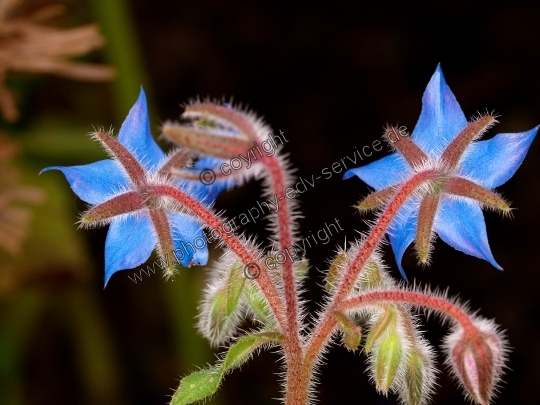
x: 418, y: 378
x: 477, y: 357
x: 387, y: 359
x: 353, y: 337
x: 386, y: 321
x: 334, y: 273
x: 352, y: 333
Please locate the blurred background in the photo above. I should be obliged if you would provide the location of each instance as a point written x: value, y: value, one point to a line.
x: 329, y: 75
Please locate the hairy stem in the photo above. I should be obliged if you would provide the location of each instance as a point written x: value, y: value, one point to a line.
x: 438, y: 304
x: 327, y: 323
x: 236, y: 245
x: 293, y: 347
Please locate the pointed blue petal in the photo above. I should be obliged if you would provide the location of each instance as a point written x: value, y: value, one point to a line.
x: 135, y: 135
x: 460, y: 224
x: 95, y: 182
x: 382, y: 173
x: 441, y: 119
x: 191, y: 247
x: 402, y: 232
x: 494, y: 161
x: 129, y: 243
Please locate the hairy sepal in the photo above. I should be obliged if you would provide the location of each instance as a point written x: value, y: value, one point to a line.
x: 377, y: 199
x: 220, y: 311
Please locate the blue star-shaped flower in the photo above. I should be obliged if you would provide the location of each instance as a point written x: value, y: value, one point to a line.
x: 118, y: 190
x: 444, y: 139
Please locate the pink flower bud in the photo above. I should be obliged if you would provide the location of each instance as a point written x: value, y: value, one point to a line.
x: 477, y: 357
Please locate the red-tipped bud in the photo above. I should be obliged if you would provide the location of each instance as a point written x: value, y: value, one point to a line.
x: 477, y: 358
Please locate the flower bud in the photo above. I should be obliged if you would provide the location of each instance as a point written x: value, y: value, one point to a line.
x: 419, y: 375
x: 387, y: 360
x: 387, y: 321
x: 352, y: 333
x: 477, y: 357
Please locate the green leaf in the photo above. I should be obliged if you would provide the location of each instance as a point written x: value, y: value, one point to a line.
x: 203, y: 383
x: 240, y: 352
x: 235, y: 286
x: 197, y: 386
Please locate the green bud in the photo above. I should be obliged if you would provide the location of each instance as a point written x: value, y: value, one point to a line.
x: 235, y: 286
x: 257, y: 304
x: 218, y: 310
x: 387, y: 321
x: 387, y: 360
x: 332, y: 277
x: 415, y: 379
x: 352, y: 333
x: 301, y: 268
x: 370, y: 276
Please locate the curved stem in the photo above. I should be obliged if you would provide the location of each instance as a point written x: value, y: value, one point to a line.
x: 438, y: 304
x: 236, y: 245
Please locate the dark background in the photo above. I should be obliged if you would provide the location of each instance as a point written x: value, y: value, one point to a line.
x: 330, y: 75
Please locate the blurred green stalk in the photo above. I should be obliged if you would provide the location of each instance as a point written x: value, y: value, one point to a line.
x: 121, y: 51
x: 19, y: 318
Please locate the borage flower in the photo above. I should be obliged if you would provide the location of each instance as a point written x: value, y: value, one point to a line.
x: 120, y: 193
x: 451, y: 207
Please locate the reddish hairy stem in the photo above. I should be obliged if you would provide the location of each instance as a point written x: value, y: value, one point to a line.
x: 416, y: 298
x: 327, y: 322
x: 378, y: 231
x: 293, y: 347
x: 233, y: 242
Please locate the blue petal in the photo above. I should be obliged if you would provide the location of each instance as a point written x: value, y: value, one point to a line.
x: 95, y: 182
x: 441, y: 119
x: 135, y: 135
x: 403, y: 231
x: 492, y: 162
x: 460, y: 224
x: 129, y: 243
x: 189, y: 240
x: 382, y: 173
